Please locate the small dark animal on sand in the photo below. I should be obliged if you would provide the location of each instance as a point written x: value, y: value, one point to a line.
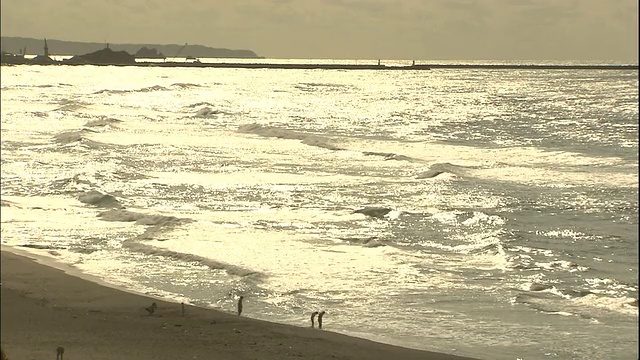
x: 240, y: 305
x: 151, y: 309
x: 313, y: 316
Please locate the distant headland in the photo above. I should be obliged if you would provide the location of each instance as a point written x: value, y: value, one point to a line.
x: 60, y: 47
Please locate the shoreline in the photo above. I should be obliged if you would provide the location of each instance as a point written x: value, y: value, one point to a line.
x: 283, y: 66
x: 46, y: 304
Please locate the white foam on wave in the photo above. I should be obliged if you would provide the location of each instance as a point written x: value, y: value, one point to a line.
x: 569, y: 233
x: 535, y: 251
x: 480, y: 218
x: 482, y: 251
x: 623, y: 305
x: 560, y: 265
x: 244, y: 178
x: 288, y: 262
x: 519, y: 164
x: 61, y: 222
x: 477, y: 218
x: 288, y: 259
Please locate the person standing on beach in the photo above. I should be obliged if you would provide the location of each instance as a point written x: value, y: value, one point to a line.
x: 60, y: 353
x: 240, y: 305
x: 320, y: 315
x: 313, y: 316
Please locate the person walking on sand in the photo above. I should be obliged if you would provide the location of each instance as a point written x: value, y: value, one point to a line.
x: 240, y: 305
x: 313, y: 317
x: 59, y: 353
x: 320, y: 315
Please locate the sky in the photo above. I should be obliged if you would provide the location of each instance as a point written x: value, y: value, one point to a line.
x: 346, y: 29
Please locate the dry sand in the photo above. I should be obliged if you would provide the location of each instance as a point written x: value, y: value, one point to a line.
x: 44, y: 307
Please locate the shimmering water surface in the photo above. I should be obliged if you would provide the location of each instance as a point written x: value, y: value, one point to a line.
x: 489, y: 213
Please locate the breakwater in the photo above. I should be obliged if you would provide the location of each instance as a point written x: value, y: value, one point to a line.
x: 347, y: 66
x: 399, y: 67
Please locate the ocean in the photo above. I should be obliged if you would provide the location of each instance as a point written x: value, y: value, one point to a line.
x: 486, y: 213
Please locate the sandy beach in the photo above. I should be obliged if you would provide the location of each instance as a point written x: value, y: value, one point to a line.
x: 45, y: 306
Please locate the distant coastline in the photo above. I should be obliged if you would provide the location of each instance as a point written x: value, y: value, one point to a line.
x: 62, y: 47
x: 121, y: 55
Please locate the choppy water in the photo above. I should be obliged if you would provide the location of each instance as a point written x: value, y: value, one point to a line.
x: 509, y: 220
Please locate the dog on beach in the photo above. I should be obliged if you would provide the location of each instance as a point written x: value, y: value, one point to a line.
x: 313, y: 316
x: 151, y: 309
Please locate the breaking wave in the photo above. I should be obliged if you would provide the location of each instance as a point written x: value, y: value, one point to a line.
x: 212, y: 264
x: 388, y: 156
x: 184, y: 85
x: 99, y: 199
x: 207, y: 112
x: 177, y: 86
x: 441, y: 168
x: 70, y: 105
x: 138, y: 218
x: 310, y: 87
x: 78, y: 137
x: 202, y: 103
x: 366, y: 242
x: 582, y: 304
x: 376, y: 212
x: 156, y: 225
x: 102, y: 122
x: 270, y: 131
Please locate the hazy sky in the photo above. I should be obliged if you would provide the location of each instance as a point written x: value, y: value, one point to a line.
x: 347, y: 29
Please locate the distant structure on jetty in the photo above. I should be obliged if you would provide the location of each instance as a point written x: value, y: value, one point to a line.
x: 105, y: 56
x: 43, y: 59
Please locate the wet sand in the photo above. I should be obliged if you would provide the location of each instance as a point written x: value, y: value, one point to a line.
x: 44, y: 307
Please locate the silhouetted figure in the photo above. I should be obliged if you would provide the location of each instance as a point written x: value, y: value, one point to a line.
x: 313, y: 317
x: 320, y: 315
x: 413, y: 63
x: 240, y: 305
x: 182, y: 308
x: 378, y: 62
x: 151, y: 309
x: 60, y: 353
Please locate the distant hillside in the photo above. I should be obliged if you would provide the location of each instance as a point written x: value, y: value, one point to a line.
x: 60, y: 47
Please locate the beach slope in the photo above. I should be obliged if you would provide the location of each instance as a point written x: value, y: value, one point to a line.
x: 44, y: 307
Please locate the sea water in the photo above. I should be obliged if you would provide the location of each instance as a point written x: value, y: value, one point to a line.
x: 489, y: 213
